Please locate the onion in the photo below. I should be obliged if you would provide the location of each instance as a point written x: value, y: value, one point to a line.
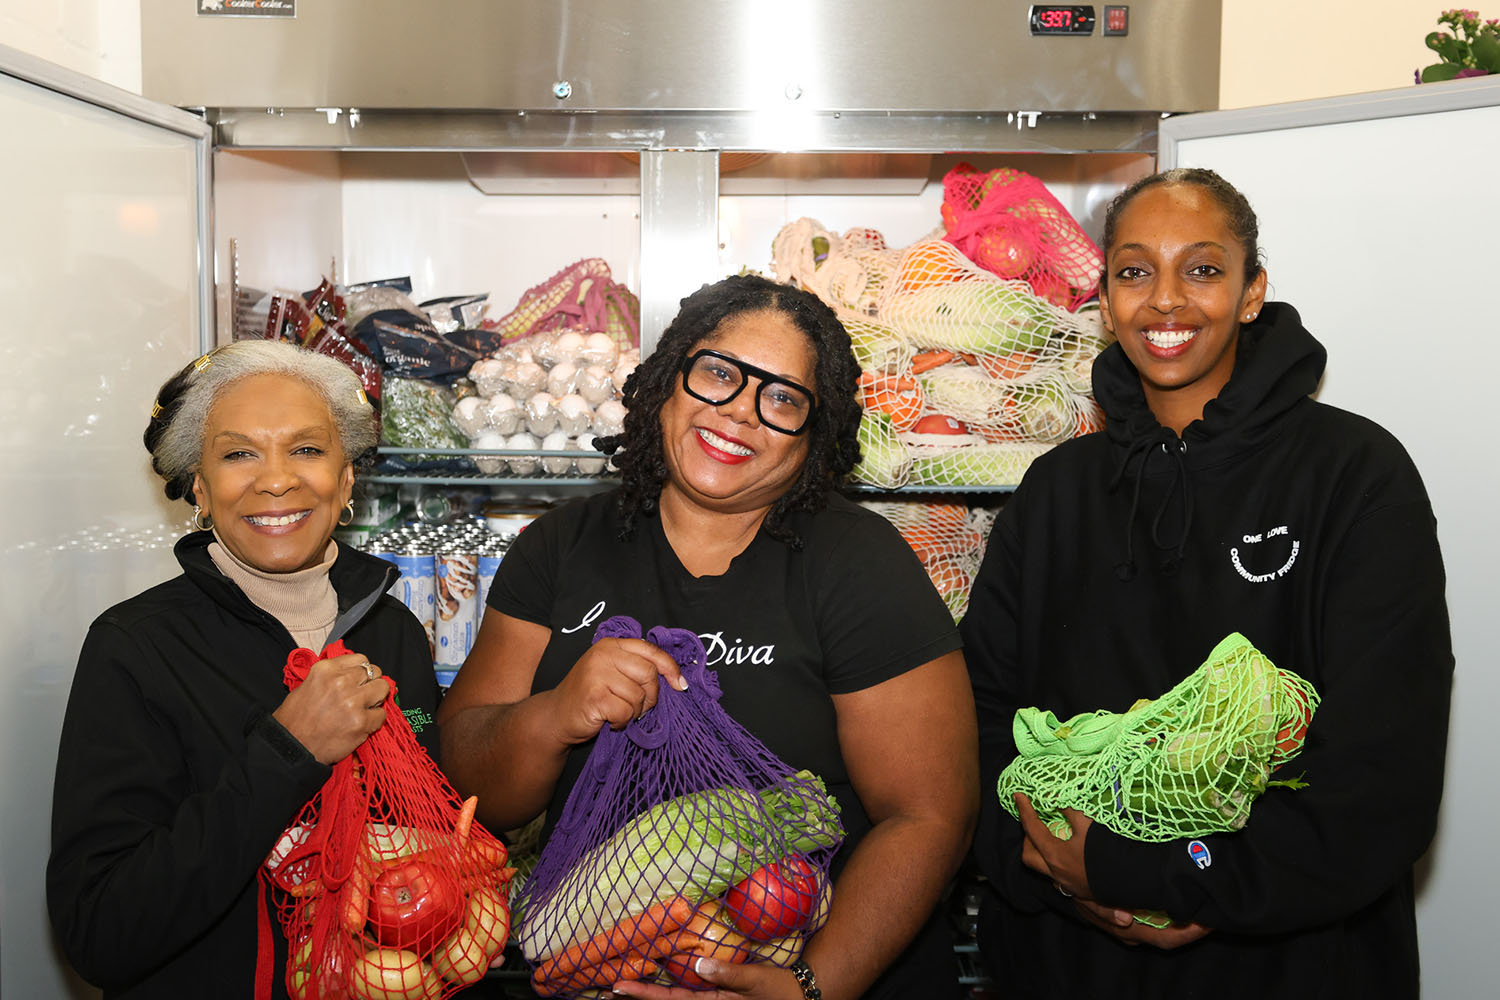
x: 522, y: 465
x: 574, y: 415
x: 609, y: 418
x: 525, y: 379
x: 469, y: 415
x: 599, y: 349
x: 562, y: 378
x: 558, y: 465
x: 490, y: 465
x: 541, y: 414
x: 502, y: 415
x: 588, y: 466
x: 595, y: 384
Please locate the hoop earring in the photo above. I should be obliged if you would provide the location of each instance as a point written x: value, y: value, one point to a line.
x: 348, y: 509
x: 198, y: 519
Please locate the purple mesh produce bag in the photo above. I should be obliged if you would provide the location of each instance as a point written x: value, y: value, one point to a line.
x: 684, y: 837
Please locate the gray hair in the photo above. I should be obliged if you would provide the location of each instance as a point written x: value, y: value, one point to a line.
x: 174, y: 437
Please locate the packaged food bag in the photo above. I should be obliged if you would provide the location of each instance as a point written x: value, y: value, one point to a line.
x: 684, y: 837
x: 385, y: 886
x: 1186, y: 764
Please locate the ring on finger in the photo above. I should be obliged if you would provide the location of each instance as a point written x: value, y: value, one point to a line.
x: 1060, y: 889
x: 369, y: 671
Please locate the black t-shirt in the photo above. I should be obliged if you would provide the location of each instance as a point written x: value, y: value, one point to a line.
x: 784, y: 630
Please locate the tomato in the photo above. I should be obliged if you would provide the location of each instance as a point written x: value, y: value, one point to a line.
x: 414, y: 904
x: 1289, y: 737
x: 1004, y: 250
x: 774, y: 901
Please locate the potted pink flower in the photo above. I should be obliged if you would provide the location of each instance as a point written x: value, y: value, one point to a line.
x: 1471, y: 48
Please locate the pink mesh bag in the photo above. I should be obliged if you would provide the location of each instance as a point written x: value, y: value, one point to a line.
x: 582, y: 296
x: 1007, y: 222
x: 684, y: 837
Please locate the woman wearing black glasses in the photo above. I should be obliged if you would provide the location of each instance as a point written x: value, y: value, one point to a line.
x: 828, y: 641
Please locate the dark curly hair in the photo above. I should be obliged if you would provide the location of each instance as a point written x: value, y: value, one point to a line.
x: 833, y: 449
x: 1238, y: 215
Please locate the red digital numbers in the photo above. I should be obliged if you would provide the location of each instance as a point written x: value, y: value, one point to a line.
x: 1055, y: 17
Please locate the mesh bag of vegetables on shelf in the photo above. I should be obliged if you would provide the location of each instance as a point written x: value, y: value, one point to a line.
x: 997, y: 376
x: 1007, y: 222
x: 582, y: 296
x: 948, y: 538
x: 684, y: 837
x: 1186, y: 764
x: 848, y: 272
x: 967, y: 376
x: 385, y: 886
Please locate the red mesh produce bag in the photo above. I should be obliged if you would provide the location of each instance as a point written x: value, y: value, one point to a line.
x: 385, y: 886
x: 684, y: 837
x: 1007, y: 222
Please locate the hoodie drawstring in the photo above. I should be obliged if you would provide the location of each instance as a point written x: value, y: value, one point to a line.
x: 1146, y: 447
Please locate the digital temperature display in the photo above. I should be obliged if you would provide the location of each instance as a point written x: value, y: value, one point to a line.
x: 1058, y: 19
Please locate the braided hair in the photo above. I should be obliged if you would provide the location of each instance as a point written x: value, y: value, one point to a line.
x: 174, y: 435
x: 833, y: 448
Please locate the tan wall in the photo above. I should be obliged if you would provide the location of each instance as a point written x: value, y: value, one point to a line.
x: 1290, y: 50
x: 99, y: 38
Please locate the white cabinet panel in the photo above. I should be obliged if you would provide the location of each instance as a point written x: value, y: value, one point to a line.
x: 1378, y: 222
x: 100, y: 270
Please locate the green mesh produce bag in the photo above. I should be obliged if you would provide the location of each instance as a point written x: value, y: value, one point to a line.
x: 1187, y: 764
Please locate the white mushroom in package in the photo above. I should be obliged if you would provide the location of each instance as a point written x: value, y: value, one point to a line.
x: 551, y: 392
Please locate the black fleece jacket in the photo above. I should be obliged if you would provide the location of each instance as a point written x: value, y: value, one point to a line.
x: 1120, y: 561
x: 174, y: 781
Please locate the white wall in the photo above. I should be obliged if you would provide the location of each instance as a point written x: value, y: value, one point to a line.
x: 99, y: 38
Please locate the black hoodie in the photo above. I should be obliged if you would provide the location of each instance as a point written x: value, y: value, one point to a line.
x: 1120, y: 561
x: 174, y: 781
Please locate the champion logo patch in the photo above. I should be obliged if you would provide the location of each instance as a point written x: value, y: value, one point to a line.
x: 1198, y: 851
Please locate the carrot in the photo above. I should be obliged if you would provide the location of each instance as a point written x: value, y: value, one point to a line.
x: 465, y: 819
x: 632, y: 934
x: 926, y: 360
x: 896, y: 395
x: 311, y: 887
x: 354, y: 897
x: 601, y: 975
x: 1007, y: 366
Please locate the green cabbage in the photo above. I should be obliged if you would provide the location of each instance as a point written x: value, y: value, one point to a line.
x: 976, y: 465
x: 884, y: 460
x: 989, y: 317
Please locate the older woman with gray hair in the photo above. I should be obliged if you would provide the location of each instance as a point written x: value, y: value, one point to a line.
x: 183, y: 756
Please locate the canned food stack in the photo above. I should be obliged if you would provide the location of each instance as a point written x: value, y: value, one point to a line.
x: 446, y: 571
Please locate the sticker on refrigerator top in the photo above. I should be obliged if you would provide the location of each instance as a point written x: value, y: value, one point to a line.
x: 247, y: 8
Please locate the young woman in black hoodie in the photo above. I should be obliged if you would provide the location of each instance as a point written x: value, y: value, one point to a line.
x: 1219, y: 498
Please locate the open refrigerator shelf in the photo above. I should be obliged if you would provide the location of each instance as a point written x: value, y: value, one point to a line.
x: 476, y: 478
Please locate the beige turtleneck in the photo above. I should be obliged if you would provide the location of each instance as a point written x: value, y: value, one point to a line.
x: 302, y: 600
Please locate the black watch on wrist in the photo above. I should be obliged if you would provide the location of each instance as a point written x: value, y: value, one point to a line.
x: 806, y: 980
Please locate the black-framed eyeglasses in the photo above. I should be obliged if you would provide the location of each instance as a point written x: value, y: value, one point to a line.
x: 780, y: 403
